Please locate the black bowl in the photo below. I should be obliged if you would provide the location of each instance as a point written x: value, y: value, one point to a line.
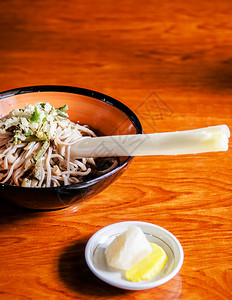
x: 103, y: 113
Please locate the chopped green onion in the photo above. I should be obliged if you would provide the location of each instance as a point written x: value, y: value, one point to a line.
x: 35, y: 117
x: 63, y: 108
x: 42, y: 150
x: 34, y: 138
x: 28, y: 133
x: 26, y: 182
x: 37, y: 173
x: 31, y: 138
x: 15, y: 140
x: 42, y: 104
x: 35, y: 123
x: 63, y: 114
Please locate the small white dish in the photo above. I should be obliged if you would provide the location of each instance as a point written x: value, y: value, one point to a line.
x: 95, y: 255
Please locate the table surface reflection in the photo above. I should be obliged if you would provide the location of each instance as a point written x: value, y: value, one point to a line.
x: 171, y: 63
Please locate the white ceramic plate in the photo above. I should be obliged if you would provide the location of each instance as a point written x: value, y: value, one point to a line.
x: 95, y: 255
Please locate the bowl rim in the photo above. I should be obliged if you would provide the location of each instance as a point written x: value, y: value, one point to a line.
x: 84, y: 92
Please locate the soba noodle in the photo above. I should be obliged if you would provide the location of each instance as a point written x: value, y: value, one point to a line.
x: 35, y: 148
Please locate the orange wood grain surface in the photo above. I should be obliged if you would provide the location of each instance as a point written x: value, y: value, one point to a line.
x: 170, y: 62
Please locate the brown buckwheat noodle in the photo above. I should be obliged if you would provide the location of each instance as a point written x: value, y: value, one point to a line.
x: 21, y: 165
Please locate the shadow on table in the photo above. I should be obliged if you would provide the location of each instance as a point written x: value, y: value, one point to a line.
x: 76, y: 275
x: 74, y: 272
x: 9, y: 213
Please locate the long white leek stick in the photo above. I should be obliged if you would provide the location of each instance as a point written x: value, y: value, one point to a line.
x: 209, y: 139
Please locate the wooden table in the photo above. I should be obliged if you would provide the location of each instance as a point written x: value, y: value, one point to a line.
x: 170, y: 62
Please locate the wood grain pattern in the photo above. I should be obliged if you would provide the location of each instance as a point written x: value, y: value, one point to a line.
x: 169, y: 61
